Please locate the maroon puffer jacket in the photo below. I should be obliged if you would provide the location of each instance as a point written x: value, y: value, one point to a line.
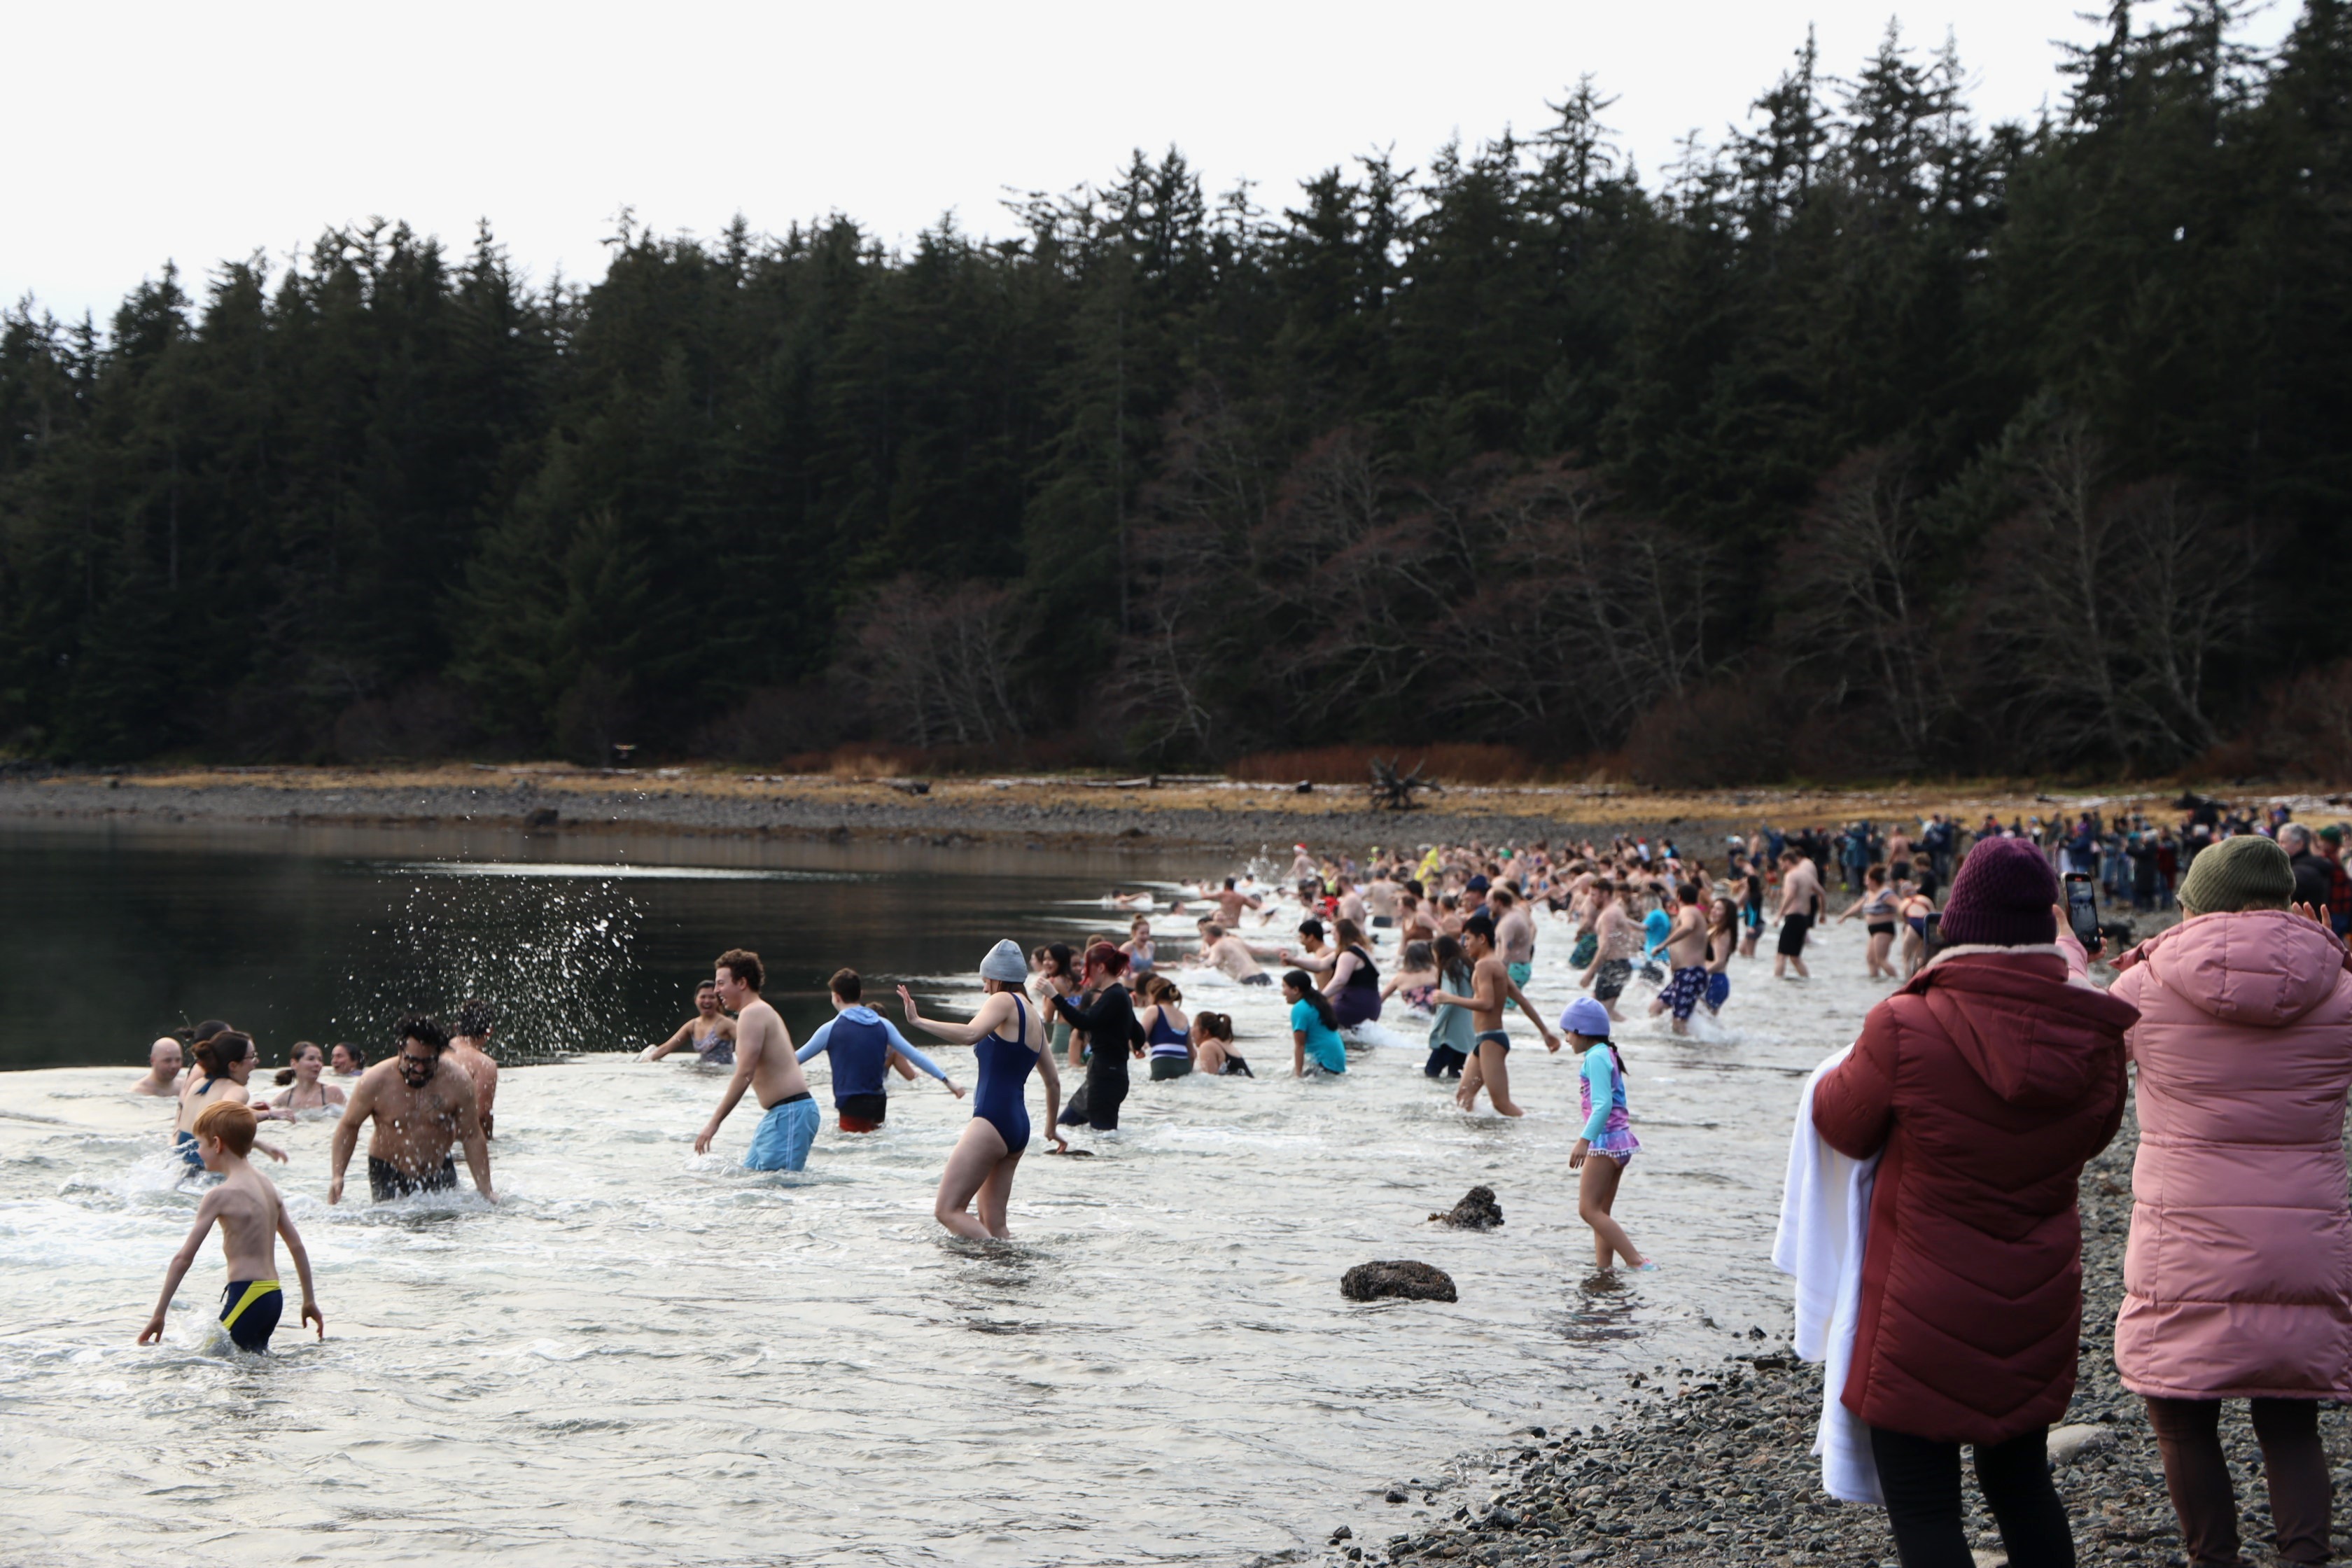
x: 1987, y: 1081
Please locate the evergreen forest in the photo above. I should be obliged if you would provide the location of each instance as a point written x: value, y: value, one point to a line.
x: 1864, y: 438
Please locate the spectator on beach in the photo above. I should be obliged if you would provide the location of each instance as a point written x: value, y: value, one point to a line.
x: 2310, y: 878
x: 2237, y: 1276
x: 1983, y: 1084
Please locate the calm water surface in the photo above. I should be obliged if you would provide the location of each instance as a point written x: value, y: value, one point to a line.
x: 645, y: 1356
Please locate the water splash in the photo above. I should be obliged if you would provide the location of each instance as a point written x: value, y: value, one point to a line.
x: 549, y: 956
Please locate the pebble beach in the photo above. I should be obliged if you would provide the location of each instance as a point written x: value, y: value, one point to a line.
x: 1714, y: 1465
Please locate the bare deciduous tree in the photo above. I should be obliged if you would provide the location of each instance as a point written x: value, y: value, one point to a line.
x: 2110, y: 605
x: 1859, y: 617
x: 937, y: 665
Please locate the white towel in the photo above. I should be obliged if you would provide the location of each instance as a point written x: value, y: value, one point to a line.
x: 1825, y: 1222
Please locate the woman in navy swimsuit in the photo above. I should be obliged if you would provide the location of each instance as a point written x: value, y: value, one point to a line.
x: 1007, y: 1038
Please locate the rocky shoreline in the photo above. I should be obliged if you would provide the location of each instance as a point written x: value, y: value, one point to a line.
x: 1022, y: 813
x: 1714, y: 1465
x: 1050, y: 811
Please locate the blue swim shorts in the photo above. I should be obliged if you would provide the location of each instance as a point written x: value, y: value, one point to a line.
x: 782, y: 1143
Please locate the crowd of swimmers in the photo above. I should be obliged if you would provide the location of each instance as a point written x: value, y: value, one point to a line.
x: 1460, y: 918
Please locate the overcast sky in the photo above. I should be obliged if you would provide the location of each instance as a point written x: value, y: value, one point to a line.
x: 142, y: 133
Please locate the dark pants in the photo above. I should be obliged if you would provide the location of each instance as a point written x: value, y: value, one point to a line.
x: 2197, y: 1474
x: 1921, y: 1479
x: 1096, y: 1102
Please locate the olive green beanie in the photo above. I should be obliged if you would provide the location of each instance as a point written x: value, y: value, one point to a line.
x: 2248, y: 872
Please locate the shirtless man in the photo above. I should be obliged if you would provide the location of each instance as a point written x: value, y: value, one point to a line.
x: 764, y: 1062
x: 1491, y: 988
x: 1619, y: 939
x: 1381, y: 899
x: 469, y: 1047
x: 161, y: 1079
x: 711, y: 1032
x: 1800, y: 904
x: 421, y: 1101
x: 1685, y: 957
x: 1231, y: 902
x: 1220, y: 950
x: 1515, y: 934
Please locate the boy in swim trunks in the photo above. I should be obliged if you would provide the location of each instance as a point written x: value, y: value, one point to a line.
x: 247, y: 1208
x: 1491, y: 990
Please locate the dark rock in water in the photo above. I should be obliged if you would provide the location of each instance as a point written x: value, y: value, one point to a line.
x: 545, y: 817
x: 1340, y: 1534
x: 1396, y: 1496
x: 1476, y: 1211
x: 1413, y: 1282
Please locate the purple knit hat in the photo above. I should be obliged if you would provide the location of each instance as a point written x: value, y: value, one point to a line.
x: 2004, y: 896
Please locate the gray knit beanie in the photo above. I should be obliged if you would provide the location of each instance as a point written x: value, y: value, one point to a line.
x: 1004, y: 963
x: 2248, y: 872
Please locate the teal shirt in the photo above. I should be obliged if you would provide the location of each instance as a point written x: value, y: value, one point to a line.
x: 1656, y: 926
x: 1324, y: 1046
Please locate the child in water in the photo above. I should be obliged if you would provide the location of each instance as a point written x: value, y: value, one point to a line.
x: 1608, y: 1131
x: 247, y: 1208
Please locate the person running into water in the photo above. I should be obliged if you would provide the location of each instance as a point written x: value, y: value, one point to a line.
x: 1314, y: 1027
x: 1230, y: 955
x: 1354, y: 983
x: 764, y: 1062
x: 469, y: 1047
x: 346, y: 1060
x: 1167, y: 1033
x: 1800, y: 902
x: 1213, y: 1045
x: 161, y: 1079
x: 1514, y: 935
x: 1231, y: 903
x: 1110, y: 1030
x: 1685, y: 949
x: 1452, y: 1039
x: 863, y: 1046
x: 224, y: 1062
x: 989, y: 1148
x: 709, y: 1034
x: 1914, y: 906
x: 1491, y: 990
x: 1608, y: 1132
x: 422, y: 1103
x: 1722, y: 942
x: 251, y: 1217
x: 307, y: 1092
x: 1416, y: 977
x: 1620, y: 943
x: 1877, y: 908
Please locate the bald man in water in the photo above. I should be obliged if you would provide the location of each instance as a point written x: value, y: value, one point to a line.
x: 161, y: 1079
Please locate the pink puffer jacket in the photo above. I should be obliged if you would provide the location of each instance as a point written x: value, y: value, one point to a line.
x: 2238, y: 1279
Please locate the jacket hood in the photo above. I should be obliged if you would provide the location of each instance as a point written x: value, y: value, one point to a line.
x: 859, y: 1012
x: 2036, y: 1039
x: 2257, y: 968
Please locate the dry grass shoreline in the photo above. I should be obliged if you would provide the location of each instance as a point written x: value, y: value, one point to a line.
x: 1230, y: 813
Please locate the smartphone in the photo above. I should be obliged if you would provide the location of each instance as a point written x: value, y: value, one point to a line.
x: 2082, y: 908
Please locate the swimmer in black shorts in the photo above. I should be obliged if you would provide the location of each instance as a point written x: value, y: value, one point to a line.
x: 387, y: 1180
x: 1800, y: 902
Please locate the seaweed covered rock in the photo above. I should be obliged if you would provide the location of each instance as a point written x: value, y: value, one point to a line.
x: 1413, y: 1282
x: 1476, y: 1211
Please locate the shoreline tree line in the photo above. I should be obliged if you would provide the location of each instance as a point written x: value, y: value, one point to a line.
x: 1864, y: 439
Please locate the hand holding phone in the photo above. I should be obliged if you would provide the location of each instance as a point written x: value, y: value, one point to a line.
x: 2083, y: 910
